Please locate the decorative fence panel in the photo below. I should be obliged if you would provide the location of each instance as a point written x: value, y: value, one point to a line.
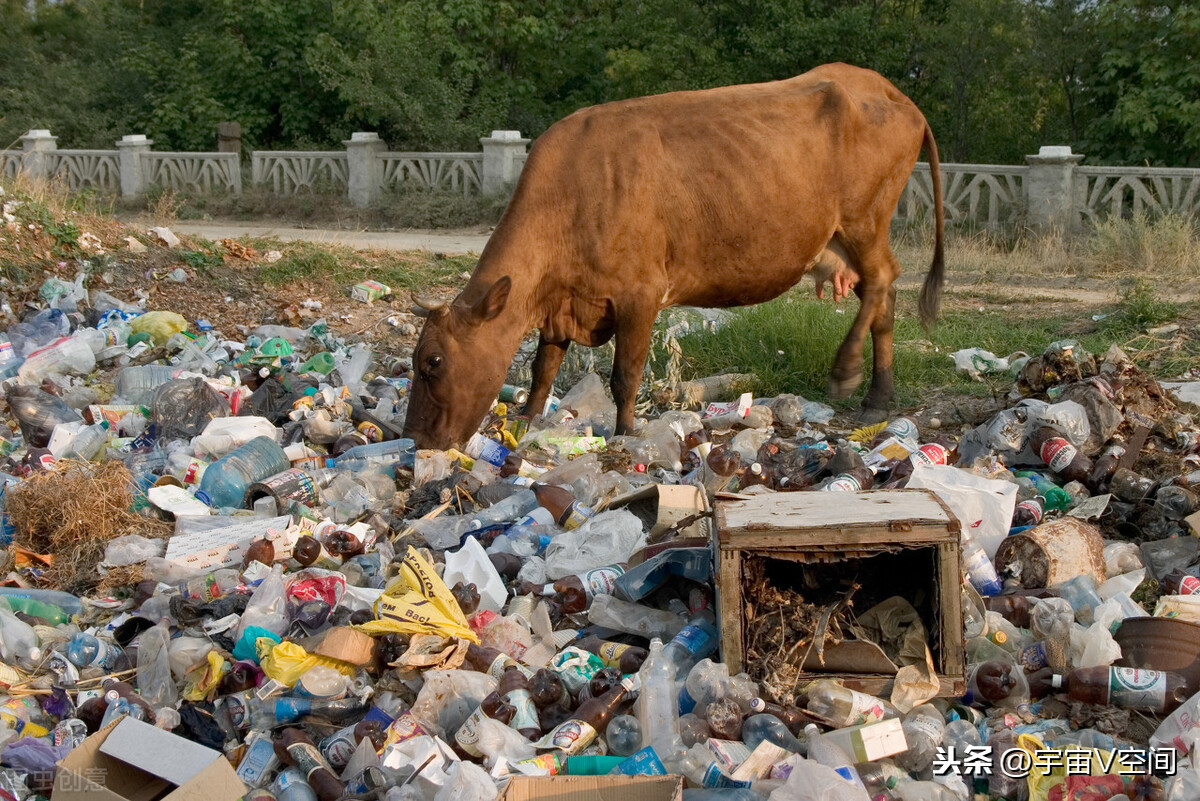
x: 975, y: 195
x: 1125, y: 191
x: 460, y: 172
x: 291, y: 171
x: 196, y: 172
x: 10, y: 163
x: 93, y: 169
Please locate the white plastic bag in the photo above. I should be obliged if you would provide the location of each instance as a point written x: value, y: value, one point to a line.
x: 1093, y: 646
x: 1181, y: 729
x: 605, y: 539
x: 974, y: 362
x: 466, y: 781
x: 223, y: 434
x: 983, y: 505
x: 448, y: 697
x: 470, y: 564
x: 497, y: 741
x: 812, y: 781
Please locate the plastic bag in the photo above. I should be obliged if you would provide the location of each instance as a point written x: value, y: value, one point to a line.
x: 132, y: 549
x: 351, y: 364
x: 184, y: 407
x: 160, y: 325
x: 286, y: 662
x: 1181, y: 729
x: 448, y: 697
x: 985, y: 506
x: 223, y: 434
x: 466, y: 781
x: 605, y: 539
x: 418, y: 603
x: 203, y: 680
x: 1068, y: 418
x: 184, y: 653
x: 496, y: 741
x: 1046, y: 784
x: 267, y: 606
x: 976, y: 362
x: 154, y: 667
x: 590, y: 406
x: 34, y: 756
x: 470, y: 564
x: 430, y: 466
x: 1121, y: 558
x: 1093, y: 646
x: 442, y: 532
x: 812, y: 781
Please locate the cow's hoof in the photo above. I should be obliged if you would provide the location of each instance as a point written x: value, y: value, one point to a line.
x: 869, y: 416
x: 842, y: 388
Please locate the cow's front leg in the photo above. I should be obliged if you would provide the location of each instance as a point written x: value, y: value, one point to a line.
x: 633, y: 329
x: 546, y: 362
x: 847, y: 365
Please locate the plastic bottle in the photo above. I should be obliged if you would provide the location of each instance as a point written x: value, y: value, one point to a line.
x: 856, y: 479
x: 90, y: 442
x: 699, y: 765
x: 523, y: 541
x: 514, y: 689
x: 88, y: 650
x: 843, y: 707
x: 503, y: 513
x: 154, y: 666
x: 10, y: 362
x: 697, y: 640
x: 1054, y: 497
x: 568, y: 511
x: 998, y: 683
x: 493, y: 705
x: 643, y: 621
x: 760, y: 727
x: 577, y: 591
x: 290, y: 785
x: 1060, y: 455
x: 628, y: 658
x: 830, y: 755
x: 34, y: 601
x: 979, y: 567
x: 725, y: 719
x: 657, y: 706
x: 924, y: 728
x: 38, y: 412
x: 227, y: 479
x: 400, y: 452
x: 1080, y: 593
x: 791, y: 716
x: 623, y: 735
x: 18, y: 641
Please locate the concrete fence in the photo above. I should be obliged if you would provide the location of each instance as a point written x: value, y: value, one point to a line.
x: 1051, y: 190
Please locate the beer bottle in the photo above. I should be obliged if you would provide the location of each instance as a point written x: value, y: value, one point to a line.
x: 792, y: 717
x: 261, y: 550
x: 900, y: 428
x: 351, y: 439
x: 722, y: 464
x: 698, y: 444
x: 578, y: 590
x: 1181, y: 582
x: 242, y: 675
x: 1106, y: 465
x: 854, y: 480
x: 514, y: 688
x: 547, y: 689
x: 514, y: 465
x: 1129, y: 688
x: 552, y: 716
x: 338, y: 747
x: 931, y: 454
x: 309, y: 552
x: 567, y: 510
x: 296, y: 749
x: 601, y: 682
x: 466, y: 739
x: 753, y: 475
x: 1060, y: 455
x: 467, y: 596
x: 344, y: 543
x: 507, y: 565
x: 1045, y: 682
x: 491, y: 661
x: 628, y: 658
x: 591, y: 718
x: 1028, y: 512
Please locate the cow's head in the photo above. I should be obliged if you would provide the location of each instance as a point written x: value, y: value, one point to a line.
x: 458, y: 367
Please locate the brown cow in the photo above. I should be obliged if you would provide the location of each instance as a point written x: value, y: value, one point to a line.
x: 715, y: 198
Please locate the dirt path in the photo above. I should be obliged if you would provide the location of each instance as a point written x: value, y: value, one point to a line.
x: 442, y: 241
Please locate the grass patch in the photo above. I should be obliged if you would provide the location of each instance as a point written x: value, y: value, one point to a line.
x: 1140, y: 245
x: 790, y: 343
x: 1139, y: 310
x: 420, y: 271
x: 307, y: 261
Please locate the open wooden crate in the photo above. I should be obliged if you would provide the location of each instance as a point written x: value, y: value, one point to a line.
x: 905, y: 542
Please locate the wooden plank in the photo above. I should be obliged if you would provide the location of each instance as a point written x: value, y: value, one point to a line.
x: 807, y: 539
x: 729, y: 607
x: 953, y: 650
x: 814, y: 510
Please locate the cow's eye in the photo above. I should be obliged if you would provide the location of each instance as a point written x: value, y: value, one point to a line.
x: 433, y: 362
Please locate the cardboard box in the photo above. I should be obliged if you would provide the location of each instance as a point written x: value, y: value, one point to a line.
x: 130, y: 760
x: 345, y: 645
x: 593, y: 788
x: 661, y: 506
x: 871, y: 741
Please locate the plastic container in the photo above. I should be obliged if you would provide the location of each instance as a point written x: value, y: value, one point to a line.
x: 137, y: 384
x: 402, y: 452
x: 227, y: 479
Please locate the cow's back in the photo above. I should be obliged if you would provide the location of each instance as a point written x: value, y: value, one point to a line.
x: 714, y: 197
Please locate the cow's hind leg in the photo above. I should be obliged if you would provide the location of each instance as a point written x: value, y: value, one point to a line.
x: 633, y: 330
x: 546, y: 361
x: 878, y: 269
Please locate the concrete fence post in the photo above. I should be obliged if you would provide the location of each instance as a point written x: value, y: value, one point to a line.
x: 364, y: 167
x: 1050, y: 189
x: 130, y: 148
x: 499, y: 160
x: 36, y: 144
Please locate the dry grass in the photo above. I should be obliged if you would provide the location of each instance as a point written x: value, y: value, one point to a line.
x: 71, y: 513
x: 1167, y: 246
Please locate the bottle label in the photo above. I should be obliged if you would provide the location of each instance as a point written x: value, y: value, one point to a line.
x: 338, y: 747
x: 503, y: 663
x: 1057, y: 453
x: 239, y: 711
x: 1137, y: 689
x: 1033, y: 657
x: 1190, y: 585
x: 610, y: 653
x: 715, y: 779
x: 843, y: 483
x: 1034, y: 508
x: 307, y: 759
x: 467, y: 735
x: 902, y: 428
x: 693, y: 638
x: 577, y: 515
x: 601, y: 581
x: 541, y: 765
x: 928, y: 455
x: 526, y: 715
x: 403, y: 728
x: 570, y: 737
x: 686, y: 702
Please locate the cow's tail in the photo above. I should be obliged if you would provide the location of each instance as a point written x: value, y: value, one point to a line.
x: 931, y: 290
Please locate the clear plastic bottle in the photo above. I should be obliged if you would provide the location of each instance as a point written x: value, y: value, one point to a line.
x: 502, y: 513
x: 923, y: 731
x: 623, y: 735
x: 88, y: 650
x: 401, y: 452
x: 704, y: 683
x: 227, y: 479
x: 841, y: 706
x: 18, y: 641
x: 643, y: 621
x: 979, y: 567
x: 698, y: 639
x: 10, y: 362
x: 290, y: 785
x: 830, y: 755
x: 89, y: 443
x: 137, y: 384
x: 757, y: 728
x: 1080, y: 593
x: 657, y: 707
x: 24, y: 599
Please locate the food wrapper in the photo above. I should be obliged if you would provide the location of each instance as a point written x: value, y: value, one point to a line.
x: 202, y: 681
x: 418, y: 603
x: 575, y: 667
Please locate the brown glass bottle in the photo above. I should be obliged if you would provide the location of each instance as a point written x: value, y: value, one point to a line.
x: 855, y: 479
x: 1060, y: 455
x: 507, y: 565
x: 260, y: 551
x: 345, y: 442
x: 338, y: 747
x: 467, y: 596
x: 698, y: 444
x: 1029, y: 512
x: 931, y: 454
x: 722, y: 464
x: 753, y: 475
x: 466, y: 739
x: 1180, y: 582
x: 792, y: 717
x: 514, y: 688
x: 547, y: 689
x: 552, y: 716
x: 1128, y: 688
x: 491, y: 661
x: 628, y: 658
x: 309, y: 552
x: 1106, y: 465
x: 344, y: 543
x: 293, y: 747
x: 601, y: 682
x: 576, y: 591
x: 591, y: 718
x: 1045, y: 682
x: 724, y: 719
x: 567, y: 510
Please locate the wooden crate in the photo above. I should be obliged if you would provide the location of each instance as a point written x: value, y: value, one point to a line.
x: 814, y: 528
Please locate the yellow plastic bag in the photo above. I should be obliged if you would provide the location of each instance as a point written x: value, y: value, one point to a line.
x: 418, y: 603
x: 160, y: 325
x: 204, y: 678
x: 286, y: 662
x: 1050, y: 767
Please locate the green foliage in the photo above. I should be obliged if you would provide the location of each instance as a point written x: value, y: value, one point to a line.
x: 996, y: 78
x: 1140, y: 309
x: 305, y: 261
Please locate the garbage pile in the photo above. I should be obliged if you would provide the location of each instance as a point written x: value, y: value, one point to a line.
x: 228, y: 572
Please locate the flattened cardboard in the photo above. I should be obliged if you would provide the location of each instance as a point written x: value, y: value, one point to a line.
x: 345, y: 645
x: 661, y: 506
x: 220, y: 547
x: 593, y: 788
x: 132, y: 767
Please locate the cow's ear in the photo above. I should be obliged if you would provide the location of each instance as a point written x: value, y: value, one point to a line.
x: 493, y: 301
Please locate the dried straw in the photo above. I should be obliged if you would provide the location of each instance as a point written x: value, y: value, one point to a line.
x: 71, y: 512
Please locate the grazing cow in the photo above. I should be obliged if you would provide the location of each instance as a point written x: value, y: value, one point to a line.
x: 720, y: 197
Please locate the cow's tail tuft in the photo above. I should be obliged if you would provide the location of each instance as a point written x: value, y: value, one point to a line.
x: 931, y: 290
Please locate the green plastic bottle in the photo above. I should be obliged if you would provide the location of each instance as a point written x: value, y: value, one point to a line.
x: 1055, y: 497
